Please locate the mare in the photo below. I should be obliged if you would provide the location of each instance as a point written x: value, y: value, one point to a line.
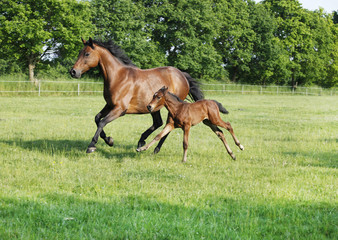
x: 184, y: 115
x: 128, y: 89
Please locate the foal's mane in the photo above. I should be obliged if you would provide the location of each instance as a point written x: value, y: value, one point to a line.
x: 115, y: 50
x: 177, y: 98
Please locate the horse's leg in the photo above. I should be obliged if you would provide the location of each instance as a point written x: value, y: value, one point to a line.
x: 159, y: 145
x: 157, y: 122
x: 220, y: 135
x: 112, y: 115
x: 185, y: 142
x: 168, y: 128
x: 98, y: 117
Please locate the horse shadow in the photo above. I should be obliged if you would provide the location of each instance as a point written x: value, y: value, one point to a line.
x: 73, y: 149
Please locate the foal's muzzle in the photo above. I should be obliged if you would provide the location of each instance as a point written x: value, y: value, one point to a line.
x: 74, y: 73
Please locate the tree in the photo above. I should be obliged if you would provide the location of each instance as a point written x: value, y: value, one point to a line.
x: 32, y: 29
x: 308, y: 38
x: 186, y: 31
x: 157, y: 33
x: 235, y: 38
x: 127, y: 23
x: 335, y: 17
x: 268, y: 58
x: 321, y: 58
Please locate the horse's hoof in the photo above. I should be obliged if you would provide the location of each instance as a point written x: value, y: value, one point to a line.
x: 109, y: 141
x: 233, y: 157
x: 141, y: 144
x: 156, y: 150
x: 138, y: 150
x: 91, y: 149
x: 241, y: 147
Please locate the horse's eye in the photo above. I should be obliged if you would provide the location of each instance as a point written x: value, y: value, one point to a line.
x: 87, y: 54
x: 158, y: 97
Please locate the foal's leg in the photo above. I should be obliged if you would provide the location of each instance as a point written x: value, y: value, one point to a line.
x: 112, y: 115
x: 228, y: 127
x: 168, y: 128
x: 159, y: 145
x: 185, y: 142
x: 157, y: 122
x: 220, y: 135
x: 98, y: 117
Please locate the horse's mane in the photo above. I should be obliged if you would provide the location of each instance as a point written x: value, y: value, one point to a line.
x: 177, y: 98
x: 116, y: 50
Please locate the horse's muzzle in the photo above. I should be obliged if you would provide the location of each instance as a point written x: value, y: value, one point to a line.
x: 74, y: 73
x: 150, y: 108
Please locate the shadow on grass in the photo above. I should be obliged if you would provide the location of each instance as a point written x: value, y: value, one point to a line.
x: 73, y: 148
x: 54, y: 216
x: 316, y: 159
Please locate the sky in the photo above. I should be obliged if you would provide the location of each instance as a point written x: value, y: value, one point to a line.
x: 328, y: 5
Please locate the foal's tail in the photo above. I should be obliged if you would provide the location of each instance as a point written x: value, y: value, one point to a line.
x: 195, y: 91
x: 221, y: 108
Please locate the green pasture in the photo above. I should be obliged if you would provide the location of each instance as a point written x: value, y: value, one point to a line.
x: 282, y: 186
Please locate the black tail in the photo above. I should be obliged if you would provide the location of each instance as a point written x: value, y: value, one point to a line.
x: 194, y: 92
x: 221, y: 108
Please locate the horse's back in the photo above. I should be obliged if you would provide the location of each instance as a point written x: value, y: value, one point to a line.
x: 148, y: 81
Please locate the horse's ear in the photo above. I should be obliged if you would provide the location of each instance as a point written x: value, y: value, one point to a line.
x: 165, y: 89
x: 84, y: 41
x: 90, y: 43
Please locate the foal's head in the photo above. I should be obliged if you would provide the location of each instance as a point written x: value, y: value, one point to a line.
x: 87, y: 59
x: 158, y: 99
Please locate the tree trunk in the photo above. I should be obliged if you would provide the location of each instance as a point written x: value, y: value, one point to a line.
x: 31, y: 67
x: 234, y: 76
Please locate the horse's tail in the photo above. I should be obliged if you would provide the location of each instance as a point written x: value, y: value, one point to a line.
x: 195, y: 91
x: 221, y: 108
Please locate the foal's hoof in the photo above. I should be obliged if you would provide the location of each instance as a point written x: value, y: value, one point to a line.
x: 109, y: 141
x: 91, y: 149
x: 241, y: 147
x: 233, y: 157
x: 141, y: 149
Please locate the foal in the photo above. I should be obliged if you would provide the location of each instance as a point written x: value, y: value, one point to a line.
x: 184, y: 115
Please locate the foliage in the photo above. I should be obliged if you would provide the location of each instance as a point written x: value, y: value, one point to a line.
x: 32, y: 29
x: 270, y: 42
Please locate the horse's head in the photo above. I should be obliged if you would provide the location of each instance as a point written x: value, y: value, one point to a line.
x: 158, y: 99
x: 87, y: 59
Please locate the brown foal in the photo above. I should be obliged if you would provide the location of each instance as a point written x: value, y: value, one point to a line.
x: 184, y: 115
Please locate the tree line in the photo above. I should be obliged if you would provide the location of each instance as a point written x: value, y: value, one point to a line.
x: 241, y: 41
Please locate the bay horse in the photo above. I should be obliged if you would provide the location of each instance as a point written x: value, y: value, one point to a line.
x: 127, y: 88
x: 185, y: 115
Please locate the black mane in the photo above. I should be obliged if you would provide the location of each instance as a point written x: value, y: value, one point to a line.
x: 116, y: 50
x: 178, y: 99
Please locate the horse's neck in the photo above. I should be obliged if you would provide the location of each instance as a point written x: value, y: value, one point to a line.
x: 109, y: 65
x: 172, y: 104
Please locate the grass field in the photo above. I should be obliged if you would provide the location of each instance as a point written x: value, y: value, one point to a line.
x: 282, y: 186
